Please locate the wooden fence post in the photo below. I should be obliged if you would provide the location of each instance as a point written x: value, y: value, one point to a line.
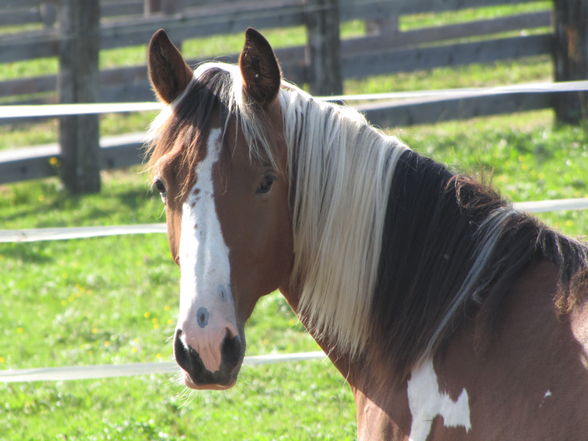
x: 78, y: 82
x: 323, y: 47
x: 386, y: 27
x: 571, y: 58
x: 48, y: 12
x: 166, y: 7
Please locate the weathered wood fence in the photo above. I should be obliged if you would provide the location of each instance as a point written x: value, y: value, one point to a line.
x: 386, y: 50
x: 323, y: 63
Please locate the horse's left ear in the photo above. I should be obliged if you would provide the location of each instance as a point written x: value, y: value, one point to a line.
x: 259, y: 68
x: 168, y: 72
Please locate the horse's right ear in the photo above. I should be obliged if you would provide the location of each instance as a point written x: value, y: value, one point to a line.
x: 259, y: 68
x: 168, y: 72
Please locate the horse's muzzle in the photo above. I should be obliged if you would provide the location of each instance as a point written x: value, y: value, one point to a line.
x: 198, y: 376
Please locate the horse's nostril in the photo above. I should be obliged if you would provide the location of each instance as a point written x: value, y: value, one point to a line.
x: 181, y: 351
x: 231, y: 349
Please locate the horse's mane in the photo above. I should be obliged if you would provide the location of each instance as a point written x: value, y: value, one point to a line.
x: 452, y: 249
x: 388, y: 244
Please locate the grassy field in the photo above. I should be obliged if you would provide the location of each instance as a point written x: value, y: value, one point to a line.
x: 114, y: 300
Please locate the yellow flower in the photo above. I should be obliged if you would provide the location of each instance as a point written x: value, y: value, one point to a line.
x: 2, y: 360
x: 19, y: 330
x: 166, y: 308
x: 54, y: 161
x: 147, y: 314
x: 106, y: 343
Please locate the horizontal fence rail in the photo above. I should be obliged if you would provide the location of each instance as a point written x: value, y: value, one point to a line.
x: 58, y: 110
x: 67, y: 233
x: 68, y: 373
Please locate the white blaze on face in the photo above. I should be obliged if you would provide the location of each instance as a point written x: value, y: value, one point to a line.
x: 426, y: 402
x: 207, y: 312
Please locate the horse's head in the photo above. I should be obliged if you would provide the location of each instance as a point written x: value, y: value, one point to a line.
x: 218, y: 158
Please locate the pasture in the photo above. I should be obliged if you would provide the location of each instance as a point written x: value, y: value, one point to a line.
x: 114, y: 300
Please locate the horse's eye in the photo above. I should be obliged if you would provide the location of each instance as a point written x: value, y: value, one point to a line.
x: 266, y: 184
x: 159, y: 186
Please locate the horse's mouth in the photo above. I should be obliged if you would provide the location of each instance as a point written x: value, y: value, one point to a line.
x: 197, y: 376
x: 190, y: 383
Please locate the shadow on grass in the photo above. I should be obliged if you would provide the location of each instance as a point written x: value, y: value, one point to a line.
x: 40, y: 207
x: 26, y: 253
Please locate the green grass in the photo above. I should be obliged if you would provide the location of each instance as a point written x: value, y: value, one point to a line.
x: 114, y: 300
x: 410, y: 22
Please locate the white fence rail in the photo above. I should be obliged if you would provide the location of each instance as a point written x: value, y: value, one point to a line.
x: 58, y: 110
x: 126, y: 370
x: 44, y: 234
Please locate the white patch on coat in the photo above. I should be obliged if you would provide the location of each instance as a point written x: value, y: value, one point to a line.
x: 207, y: 312
x: 548, y: 394
x: 426, y: 402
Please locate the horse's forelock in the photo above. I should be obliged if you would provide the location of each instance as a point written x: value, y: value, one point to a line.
x: 214, y: 96
x: 178, y: 135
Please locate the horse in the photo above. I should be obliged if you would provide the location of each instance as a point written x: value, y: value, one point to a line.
x: 451, y: 315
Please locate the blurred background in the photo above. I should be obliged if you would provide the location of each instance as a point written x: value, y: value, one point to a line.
x: 113, y: 300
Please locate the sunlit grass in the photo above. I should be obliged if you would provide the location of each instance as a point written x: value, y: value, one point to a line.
x: 114, y: 300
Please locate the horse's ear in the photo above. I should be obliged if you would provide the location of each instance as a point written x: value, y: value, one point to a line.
x: 168, y: 72
x: 259, y: 68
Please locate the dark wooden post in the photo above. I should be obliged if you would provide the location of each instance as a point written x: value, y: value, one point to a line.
x: 166, y: 7
x: 48, y: 12
x: 78, y: 82
x: 571, y: 57
x: 323, y: 47
x: 385, y: 27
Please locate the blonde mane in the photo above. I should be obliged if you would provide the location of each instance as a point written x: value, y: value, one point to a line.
x: 341, y: 169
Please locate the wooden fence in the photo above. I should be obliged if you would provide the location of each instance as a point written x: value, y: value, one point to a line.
x: 386, y: 50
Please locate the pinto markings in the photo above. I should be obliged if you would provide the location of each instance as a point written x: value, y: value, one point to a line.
x: 426, y: 401
x: 206, y: 318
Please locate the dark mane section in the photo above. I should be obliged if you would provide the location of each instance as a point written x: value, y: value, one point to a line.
x: 181, y: 134
x: 444, y: 233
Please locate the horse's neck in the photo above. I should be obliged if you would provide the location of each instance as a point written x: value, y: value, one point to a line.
x: 292, y: 293
x: 374, y: 389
